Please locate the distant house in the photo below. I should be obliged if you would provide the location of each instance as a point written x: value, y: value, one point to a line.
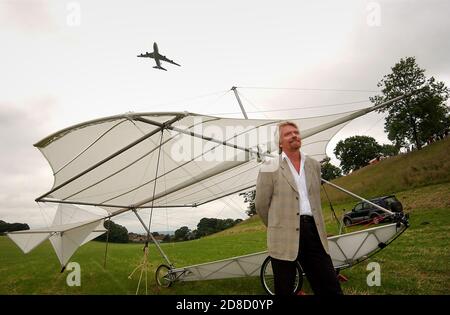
x: 137, y: 238
x: 142, y: 238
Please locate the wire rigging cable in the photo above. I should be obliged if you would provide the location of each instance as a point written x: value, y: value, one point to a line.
x: 307, y: 89
x: 251, y: 103
x: 298, y: 108
x: 192, y: 98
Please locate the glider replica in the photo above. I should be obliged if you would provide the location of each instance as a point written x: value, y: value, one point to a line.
x: 158, y: 58
x: 141, y: 161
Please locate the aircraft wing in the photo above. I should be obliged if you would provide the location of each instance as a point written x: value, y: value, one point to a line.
x: 149, y: 55
x: 164, y: 58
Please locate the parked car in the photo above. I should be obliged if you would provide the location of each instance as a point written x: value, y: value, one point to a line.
x: 364, y: 212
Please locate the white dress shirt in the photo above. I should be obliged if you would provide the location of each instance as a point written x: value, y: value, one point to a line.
x: 300, y: 181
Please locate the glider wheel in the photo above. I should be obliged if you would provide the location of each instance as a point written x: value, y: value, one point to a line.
x: 164, y: 277
x: 266, y: 277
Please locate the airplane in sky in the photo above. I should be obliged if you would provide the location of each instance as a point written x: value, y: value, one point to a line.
x: 155, y: 55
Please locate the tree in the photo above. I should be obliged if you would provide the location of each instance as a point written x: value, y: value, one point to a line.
x: 11, y: 227
x: 389, y: 150
x: 182, y: 233
x: 414, y: 119
x: 116, y: 233
x: 208, y: 226
x: 193, y: 235
x: 328, y: 170
x: 249, y: 197
x: 356, y: 152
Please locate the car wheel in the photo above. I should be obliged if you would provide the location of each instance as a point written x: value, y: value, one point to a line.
x: 347, y: 221
x: 375, y: 219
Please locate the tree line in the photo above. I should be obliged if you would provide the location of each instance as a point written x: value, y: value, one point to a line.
x: 11, y: 227
x: 119, y: 234
x: 206, y: 226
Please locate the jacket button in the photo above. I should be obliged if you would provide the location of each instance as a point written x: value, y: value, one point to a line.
x: 298, y: 213
x: 296, y: 197
x: 297, y: 229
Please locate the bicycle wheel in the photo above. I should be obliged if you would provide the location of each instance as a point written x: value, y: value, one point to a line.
x: 163, y: 276
x: 266, y: 277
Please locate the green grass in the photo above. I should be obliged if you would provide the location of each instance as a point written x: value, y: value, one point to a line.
x: 416, y: 263
x: 38, y: 272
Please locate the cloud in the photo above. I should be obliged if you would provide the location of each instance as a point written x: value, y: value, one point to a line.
x: 24, y: 172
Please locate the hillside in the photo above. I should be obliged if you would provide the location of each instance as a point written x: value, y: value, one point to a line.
x: 429, y: 166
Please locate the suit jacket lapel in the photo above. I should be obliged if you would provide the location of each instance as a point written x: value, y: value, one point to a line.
x: 286, y: 171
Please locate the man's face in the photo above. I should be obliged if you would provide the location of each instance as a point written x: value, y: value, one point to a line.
x: 290, y: 138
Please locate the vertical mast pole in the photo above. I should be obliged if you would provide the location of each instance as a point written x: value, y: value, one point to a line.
x: 239, y: 101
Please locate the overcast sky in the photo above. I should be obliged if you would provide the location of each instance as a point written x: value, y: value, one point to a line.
x: 65, y: 62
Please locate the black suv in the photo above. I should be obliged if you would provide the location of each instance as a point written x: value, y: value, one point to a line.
x: 364, y: 212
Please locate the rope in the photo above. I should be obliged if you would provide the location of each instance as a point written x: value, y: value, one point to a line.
x: 144, y: 268
x: 144, y: 263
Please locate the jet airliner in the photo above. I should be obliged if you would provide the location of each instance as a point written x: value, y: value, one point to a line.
x: 158, y: 58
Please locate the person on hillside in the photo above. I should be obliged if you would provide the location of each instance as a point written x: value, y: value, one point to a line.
x: 288, y: 202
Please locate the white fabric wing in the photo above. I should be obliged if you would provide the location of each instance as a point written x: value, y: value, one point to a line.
x: 65, y: 244
x: 71, y: 228
x: 116, y: 162
x: 28, y: 241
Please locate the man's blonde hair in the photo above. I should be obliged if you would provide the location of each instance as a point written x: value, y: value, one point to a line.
x: 277, y: 134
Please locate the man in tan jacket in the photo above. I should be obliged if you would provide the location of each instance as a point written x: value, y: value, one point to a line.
x: 288, y: 202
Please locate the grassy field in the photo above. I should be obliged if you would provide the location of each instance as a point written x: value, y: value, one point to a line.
x: 416, y: 263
